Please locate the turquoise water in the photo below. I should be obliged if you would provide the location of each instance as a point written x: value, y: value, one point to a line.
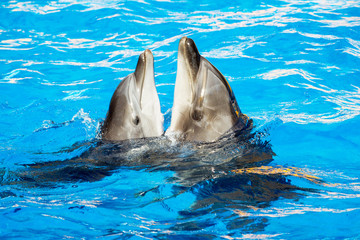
x: 294, y: 67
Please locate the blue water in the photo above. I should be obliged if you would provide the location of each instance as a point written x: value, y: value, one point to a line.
x: 294, y: 67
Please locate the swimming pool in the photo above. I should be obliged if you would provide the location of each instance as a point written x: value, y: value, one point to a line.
x: 293, y: 65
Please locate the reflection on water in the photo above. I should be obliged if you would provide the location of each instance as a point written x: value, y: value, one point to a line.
x: 226, y: 178
x: 193, y: 162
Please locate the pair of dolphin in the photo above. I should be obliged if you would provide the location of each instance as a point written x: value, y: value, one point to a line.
x: 204, y: 106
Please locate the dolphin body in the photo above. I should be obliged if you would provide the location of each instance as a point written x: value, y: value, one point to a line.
x: 134, y: 110
x: 204, y: 106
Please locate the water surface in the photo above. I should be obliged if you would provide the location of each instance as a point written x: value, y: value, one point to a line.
x: 293, y: 65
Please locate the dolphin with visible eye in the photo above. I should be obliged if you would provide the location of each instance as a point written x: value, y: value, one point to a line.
x: 134, y: 110
x: 204, y: 106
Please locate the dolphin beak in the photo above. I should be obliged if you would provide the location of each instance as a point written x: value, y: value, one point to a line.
x: 151, y: 117
x: 190, y: 56
x: 144, y: 71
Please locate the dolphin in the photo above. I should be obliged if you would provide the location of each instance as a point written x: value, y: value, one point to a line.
x: 204, y: 107
x: 134, y: 110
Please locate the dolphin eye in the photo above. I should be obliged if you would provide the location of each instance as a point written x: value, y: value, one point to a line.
x: 136, y: 120
x: 197, y: 115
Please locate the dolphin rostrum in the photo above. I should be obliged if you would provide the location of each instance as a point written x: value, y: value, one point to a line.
x: 134, y: 110
x: 204, y: 106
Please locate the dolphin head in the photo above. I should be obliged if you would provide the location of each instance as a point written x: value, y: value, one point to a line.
x: 134, y: 110
x: 204, y: 105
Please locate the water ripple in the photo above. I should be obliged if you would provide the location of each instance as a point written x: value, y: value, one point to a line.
x: 218, y: 20
x: 54, y: 7
x: 75, y: 94
x: 10, y: 77
x: 74, y: 83
x: 313, y: 35
x: 347, y: 101
x: 35, y: 8
x: 236, y: 50
x: 343, y: 22
x: 300, y: 209
x: 278, y: 73
x: 353, y: 51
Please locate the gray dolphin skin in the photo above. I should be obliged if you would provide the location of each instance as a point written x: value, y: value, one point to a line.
x: 204, y: 106
x: 134, y: 110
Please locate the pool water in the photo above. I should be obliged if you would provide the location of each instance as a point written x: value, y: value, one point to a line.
x: 294, y: 67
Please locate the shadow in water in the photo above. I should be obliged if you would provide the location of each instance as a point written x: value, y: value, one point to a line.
x: 234, y: 198
x: 213, y: 172
x: 192, y: 162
